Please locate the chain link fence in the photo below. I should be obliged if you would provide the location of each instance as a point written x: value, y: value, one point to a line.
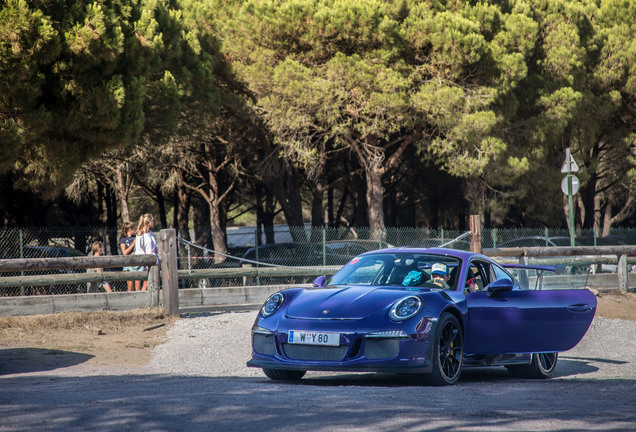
x: 278, y: 246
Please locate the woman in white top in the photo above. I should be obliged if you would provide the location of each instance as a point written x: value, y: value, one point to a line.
x: 145, y: 242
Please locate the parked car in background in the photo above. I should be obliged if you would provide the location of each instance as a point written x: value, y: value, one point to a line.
x: 348, y: 249
x: 51, y: 252
x: 295, y: 255
x: 539, y: 241
x: 204, y: 259
x: 54, y: 252
x: 535, y: 241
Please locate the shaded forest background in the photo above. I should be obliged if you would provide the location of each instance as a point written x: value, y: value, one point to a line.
x: 399, y: 113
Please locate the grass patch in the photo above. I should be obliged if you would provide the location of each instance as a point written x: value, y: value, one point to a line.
x: 77, y: 320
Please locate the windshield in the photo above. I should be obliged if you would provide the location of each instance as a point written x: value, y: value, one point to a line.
x: 397, y: 269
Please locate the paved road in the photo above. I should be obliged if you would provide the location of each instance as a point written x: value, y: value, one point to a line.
x: 595, y: 389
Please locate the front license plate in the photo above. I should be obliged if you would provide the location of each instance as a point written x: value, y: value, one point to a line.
x: 313, y: 338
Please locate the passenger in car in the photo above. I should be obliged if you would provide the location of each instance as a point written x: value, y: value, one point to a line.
x: 471, y: 282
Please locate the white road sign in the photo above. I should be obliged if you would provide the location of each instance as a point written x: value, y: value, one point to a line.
x: 575, y: 184
x: 569, y: 165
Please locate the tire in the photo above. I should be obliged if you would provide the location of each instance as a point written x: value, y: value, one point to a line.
x: 448, y: 352
x: 541, y: 366
x: 283, y: 374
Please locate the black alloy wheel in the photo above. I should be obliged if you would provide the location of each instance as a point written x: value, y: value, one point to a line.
x: 541, y: 366
x: 448, y: 352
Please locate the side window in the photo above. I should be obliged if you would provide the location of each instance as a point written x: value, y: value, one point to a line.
x: 476, y: 273
x: 499, y: 273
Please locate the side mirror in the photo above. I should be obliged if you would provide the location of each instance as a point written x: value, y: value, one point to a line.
x: 499, y: 286
x: 319, y: 282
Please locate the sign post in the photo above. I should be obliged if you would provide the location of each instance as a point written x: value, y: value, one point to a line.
x: 570, y: 186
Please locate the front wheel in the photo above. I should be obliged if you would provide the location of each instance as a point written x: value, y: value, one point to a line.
x: 541, y: 366
x: 283, y: 374
x: 448, y: 352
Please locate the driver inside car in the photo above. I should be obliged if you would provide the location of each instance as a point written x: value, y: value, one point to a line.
x: 439, y: 276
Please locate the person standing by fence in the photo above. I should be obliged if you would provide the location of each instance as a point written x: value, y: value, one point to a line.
x: 145, y: 242
x: 127, y: 247
x: 98, y: 250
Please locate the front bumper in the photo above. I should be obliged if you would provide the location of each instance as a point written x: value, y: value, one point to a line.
x: 425, y: 367
x: 357, y: 352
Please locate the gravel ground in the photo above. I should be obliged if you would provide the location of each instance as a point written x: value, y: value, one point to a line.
x: 198, y: 381
x: 219, y: 345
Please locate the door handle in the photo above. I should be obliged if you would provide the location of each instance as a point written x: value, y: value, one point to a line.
x: 580, y: 307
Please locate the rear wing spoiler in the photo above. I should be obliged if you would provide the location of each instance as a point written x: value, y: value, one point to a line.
x: 558, y: 276
x: 554, y: 268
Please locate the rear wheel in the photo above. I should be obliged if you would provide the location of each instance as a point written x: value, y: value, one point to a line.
x: 541, y: 366
x: 284, y: 375
x: 448, y: 352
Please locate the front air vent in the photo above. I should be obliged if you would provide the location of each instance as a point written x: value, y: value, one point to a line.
x: 381, y: 348
x: 264, y: 344
x: 311, y: 352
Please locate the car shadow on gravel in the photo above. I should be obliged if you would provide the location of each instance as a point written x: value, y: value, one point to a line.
x: 199, y: 403
x: 487, y: 375
x: 565, y: 368
x: 25, y: 360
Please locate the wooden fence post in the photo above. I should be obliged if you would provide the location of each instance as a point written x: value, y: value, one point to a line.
x: 622, y: 273
x: 169, y: 278
x: 153, y: 285
x: 475, y: 233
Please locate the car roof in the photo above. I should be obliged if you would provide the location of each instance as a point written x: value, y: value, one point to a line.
x: 462, y: 254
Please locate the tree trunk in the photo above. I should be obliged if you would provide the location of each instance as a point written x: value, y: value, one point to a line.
x: 581, y: 206
x: 100, y: 200
x: 317, y: 210
x: 375, y: 197
x: 161, y: 203
x: 122, y: 189
x: 216, y: 226
x: 360, y: 203
x: 269, y: 213
x: 607, y: 219
x: 316, y: 204
x: 598, y: 216
x: 201, y: 220
x: 291, y: 202
x: 218, y: 233
x: 183, y: 209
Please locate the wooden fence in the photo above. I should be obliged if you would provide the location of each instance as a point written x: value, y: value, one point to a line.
x: 163, y: 278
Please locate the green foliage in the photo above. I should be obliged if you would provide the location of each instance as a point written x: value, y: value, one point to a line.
x: 490, y: 92
x: 85, y: 77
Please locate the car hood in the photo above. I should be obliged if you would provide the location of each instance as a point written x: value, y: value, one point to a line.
x: 342, y: 302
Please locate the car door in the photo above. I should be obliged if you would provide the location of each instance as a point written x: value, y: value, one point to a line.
x: 525, y: 321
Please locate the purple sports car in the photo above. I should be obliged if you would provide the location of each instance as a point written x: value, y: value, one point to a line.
x: 427, y: 312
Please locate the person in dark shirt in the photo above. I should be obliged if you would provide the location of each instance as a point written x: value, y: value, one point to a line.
x: 127, y: 246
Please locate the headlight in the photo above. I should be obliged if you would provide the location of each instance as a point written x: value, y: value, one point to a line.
x: 272, y: 304
x: 406, y: 308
